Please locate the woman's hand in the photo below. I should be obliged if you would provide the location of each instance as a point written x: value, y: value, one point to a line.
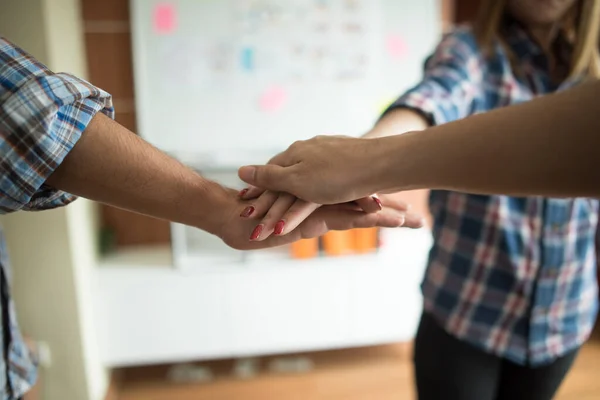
x: 280, y: 213
x: 236, y: 232
x: 322, y: 170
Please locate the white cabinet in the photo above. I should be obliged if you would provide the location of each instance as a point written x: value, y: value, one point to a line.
x: 152, y: 314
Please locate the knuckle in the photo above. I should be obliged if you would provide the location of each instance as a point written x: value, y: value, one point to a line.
x: 268, y: 218
x: 296, y: 145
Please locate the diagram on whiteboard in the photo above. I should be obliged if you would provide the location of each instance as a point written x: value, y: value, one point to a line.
x: 289, y: 42
x: 230, y: 79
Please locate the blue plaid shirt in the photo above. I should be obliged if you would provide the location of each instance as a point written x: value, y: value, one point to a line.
x: 42, y: 115
x: 515, y: 277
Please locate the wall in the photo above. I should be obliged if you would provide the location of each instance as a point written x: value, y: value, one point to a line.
x: 53, y: 252
x: 24, y: 30
x: 108, y: 43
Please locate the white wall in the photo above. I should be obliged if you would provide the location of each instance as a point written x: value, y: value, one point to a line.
x: 22, y: 21
x: 53, y: 252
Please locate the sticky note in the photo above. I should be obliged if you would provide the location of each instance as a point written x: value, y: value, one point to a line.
x: 247, y: 59
x: 164, y: 18
x: 273, y: 99
x: 396, y: 46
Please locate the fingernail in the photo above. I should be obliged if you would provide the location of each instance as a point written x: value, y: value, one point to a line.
x: 247, y: 212
x: 243, y: 192
x: 256, y: 232
x: 378, y: 202
x: 279, y: 227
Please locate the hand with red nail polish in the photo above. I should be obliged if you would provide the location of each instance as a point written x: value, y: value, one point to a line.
x: 281, y: 213
x: 276, y: 219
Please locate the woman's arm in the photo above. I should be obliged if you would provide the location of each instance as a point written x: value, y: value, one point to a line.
x: 397, y: 122
x: 549, y: 146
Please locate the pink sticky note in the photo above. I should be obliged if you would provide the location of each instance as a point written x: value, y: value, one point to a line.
x: 396, y: 46
x: 273, y: 99
x: 164, y: 18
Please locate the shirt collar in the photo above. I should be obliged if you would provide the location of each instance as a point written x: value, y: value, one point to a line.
x: 519, y: 40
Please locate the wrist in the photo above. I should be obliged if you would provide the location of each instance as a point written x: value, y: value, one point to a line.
x: 209, y: 205
x: 392, y: 158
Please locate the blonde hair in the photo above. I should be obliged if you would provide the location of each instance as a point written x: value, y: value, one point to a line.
x: 581, y: 26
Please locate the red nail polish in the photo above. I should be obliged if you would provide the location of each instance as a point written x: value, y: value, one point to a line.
x: 279, y: 227
x: 243, y: 192
x: 376, y: 200
x: 248, y: 211
x: 256, y: 232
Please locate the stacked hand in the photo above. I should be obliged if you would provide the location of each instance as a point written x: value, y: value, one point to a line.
x: 236, y: 231
x: 281, y: 213
x: 323, y: 170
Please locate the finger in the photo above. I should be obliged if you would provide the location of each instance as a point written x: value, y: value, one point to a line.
x: 295, y: 215
x: 370, y: 204
x: 342, y: 219
x: 393, y: 201
x: 272, y: 177
x: 387, y: 218
x: 337, y: 217
x: 272, y: 222
x: 260, y: 206
x: 281, y: 159
x: 413, y: 220
x: 351, y: 205
x: 251, y: 193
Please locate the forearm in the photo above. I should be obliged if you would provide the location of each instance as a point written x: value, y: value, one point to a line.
x: 550, y: 146
x: 397, y: 122
x: 112, y: 165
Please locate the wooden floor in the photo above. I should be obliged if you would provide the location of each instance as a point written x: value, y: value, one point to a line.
x: 379, y: 373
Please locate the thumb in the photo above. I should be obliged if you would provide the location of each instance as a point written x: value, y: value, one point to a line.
x: 271, y: 177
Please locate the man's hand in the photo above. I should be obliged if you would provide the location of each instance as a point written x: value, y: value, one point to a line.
x: 322, y: 170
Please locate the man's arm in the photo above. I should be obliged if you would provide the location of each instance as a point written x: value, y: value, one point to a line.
x: 112, y: 165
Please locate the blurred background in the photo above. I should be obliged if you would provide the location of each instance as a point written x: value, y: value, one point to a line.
x: 122, y: 306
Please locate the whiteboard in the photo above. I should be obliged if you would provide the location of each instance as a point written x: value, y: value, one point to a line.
x: 234, y: 80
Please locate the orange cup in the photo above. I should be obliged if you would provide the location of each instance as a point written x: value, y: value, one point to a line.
x: 365, y: 240
x: 338, y: 243
x: 305, y: 248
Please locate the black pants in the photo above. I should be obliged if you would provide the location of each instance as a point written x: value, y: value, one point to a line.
x: 449, y: 369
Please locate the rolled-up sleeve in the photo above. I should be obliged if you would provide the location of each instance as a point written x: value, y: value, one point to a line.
x: 42, y: 116
x: 452, y: 84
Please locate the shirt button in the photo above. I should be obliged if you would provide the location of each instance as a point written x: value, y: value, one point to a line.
x: 556, y: 227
